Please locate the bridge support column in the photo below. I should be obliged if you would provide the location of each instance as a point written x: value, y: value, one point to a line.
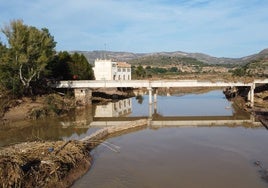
x: 150, y: 95
x: 83, y: 96
x: 150, y: 114
x: 252, y: 88
x: 249, y: 94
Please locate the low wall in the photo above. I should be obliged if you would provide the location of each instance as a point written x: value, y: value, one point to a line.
x: 105, y: 132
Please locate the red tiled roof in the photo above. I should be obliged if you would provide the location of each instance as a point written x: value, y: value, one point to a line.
x: 123, y: 64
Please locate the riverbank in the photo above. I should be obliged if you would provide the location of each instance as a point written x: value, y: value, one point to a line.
x: 53, y: 105
x: 54, y: 164
x: 260, y: 107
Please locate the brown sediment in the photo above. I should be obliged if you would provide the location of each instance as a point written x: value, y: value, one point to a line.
x: 53, y: 164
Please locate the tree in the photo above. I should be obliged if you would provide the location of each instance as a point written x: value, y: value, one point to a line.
x: 240, y: 72
x: 80, y: 68
x: 30, y: 50
x: 173, y: 69
x: 140, y: 72
x: 70, y: 67
x: 8, y: 82
x: 3, y: 50
x: 59, y: 67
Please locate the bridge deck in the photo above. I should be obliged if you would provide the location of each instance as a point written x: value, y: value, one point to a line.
x: 149, y: 83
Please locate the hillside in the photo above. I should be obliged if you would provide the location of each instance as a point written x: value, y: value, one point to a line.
x: 127, y: 56
x: 162, y: 60
x: 258, y: 67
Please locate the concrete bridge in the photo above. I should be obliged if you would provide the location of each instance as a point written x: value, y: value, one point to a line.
x: 83, y: 88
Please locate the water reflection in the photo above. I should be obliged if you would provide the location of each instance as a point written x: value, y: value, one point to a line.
x: 37, y: 130
x: 114, y: 109
x: 207, y: 109
x: 181, y: 157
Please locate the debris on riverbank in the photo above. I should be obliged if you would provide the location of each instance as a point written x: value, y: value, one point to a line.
x: 53, y: 164
x: 43, y: 164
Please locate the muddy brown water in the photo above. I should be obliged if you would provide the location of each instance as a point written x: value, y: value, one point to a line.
x: 191, y: 156
x: 181, y: 157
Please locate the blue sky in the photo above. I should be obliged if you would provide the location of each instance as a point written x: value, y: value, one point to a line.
x: 221, y: 28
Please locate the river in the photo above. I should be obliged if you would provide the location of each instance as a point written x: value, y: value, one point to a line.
x: 193, y: 141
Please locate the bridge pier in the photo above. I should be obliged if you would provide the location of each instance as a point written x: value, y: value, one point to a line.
x: 251, y: 95
x: 150, y: 90
x: 83, y: 96
x: 152, y: 102
x: 252, y: 88
x: 150, y: 94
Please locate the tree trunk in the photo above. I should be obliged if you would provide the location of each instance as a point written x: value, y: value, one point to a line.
x: 25, y: 81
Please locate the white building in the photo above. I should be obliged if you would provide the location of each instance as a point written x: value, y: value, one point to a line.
x: 110, y: 70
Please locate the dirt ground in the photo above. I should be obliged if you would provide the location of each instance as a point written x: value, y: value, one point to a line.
x: 22, y: 109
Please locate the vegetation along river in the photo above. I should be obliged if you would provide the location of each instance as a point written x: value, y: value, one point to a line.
x: 193, y: 141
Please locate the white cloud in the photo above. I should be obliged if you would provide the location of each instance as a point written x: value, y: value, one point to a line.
x: 220, y: 28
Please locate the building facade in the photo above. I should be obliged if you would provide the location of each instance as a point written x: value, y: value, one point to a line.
x: 110, y: 70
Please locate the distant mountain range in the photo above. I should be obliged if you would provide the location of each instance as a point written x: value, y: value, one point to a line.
x: 127, y: 56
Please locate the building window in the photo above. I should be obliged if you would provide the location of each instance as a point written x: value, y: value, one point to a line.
x: 128, y: 69
x: 119, y: 69
x: 124, y: 70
